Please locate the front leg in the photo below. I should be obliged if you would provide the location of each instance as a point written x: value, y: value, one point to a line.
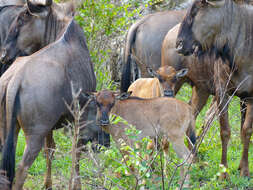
x: 198, y: 100
x: 221, y: 80
x: 246, y: 133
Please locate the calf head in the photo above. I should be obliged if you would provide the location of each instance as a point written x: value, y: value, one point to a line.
x: 168, y: 78
x: 105, y: 100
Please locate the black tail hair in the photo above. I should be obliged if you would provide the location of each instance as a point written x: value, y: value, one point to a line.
x: 8, y: 156
x: 126, y: 75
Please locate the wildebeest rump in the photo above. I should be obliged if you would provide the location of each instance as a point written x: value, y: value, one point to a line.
x: 143, y: 43
x: 33, y: 91
x: 225, y: 28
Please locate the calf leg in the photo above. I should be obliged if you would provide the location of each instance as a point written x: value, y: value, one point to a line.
x: 182, y: 152
x: 246, y: 133
x: 49, y: 151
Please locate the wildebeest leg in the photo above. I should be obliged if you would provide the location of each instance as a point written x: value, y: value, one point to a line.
x: 225, y: 131
x: 243, y: 111
x: 198, y: 100
x: 49, y: 151
x: 221, y: 80
x: 182, y: 152
x: 34, y: 143
x: 246, y: 133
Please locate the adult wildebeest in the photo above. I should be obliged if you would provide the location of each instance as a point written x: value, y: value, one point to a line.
x: 143, y: 43
x: 200, y: 71
x: 33, y: 91
x: 224, y: 27
x: 55, y: 27
x: 155, y: 117
x: 46, y: 23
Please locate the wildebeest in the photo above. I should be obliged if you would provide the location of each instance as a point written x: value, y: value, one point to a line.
x: 200, y: 71
x: 36, y: 26
x: 34, y: 88
x: 162, y: 85
x: 155, y: 117
x: 143, y: 43
x: 225, y: 28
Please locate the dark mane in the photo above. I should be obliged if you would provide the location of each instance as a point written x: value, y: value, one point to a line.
x: 80, y: 68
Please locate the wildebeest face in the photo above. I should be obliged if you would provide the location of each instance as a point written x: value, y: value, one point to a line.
x: 200, y: 26
x: 168, y: 77
x: 25, y: 35
x: 105, y: 101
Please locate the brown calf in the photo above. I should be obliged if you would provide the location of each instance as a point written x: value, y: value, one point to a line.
x: 155, y: 117
x: 162, y: 85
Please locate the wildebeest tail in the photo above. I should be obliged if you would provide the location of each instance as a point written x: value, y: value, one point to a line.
x: 191, y: 131
x: 130, y: 40
x: 11, y: 105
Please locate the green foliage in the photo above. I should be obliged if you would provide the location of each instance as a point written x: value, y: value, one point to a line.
x: 103, y: 22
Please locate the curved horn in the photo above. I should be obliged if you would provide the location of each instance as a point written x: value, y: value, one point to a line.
x: 40, y: 2
x: 216, y: 3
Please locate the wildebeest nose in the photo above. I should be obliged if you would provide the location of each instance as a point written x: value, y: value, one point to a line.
x: 168, y: 93
x: 104, y: 122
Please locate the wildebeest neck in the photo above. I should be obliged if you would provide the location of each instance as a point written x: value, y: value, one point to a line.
x: 55, y: 26
x: 80, y: 63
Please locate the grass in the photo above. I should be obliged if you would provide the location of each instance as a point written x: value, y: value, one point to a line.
x: 203, y: 174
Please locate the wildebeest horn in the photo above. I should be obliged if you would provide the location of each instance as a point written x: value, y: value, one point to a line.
x: 216, y: 3
x: 40, y: 2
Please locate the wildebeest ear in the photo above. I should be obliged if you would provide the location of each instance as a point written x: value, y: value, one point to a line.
x: 39, y: 8
x: 151, y: 72
x: 181, y: 73
x: 124, y: 95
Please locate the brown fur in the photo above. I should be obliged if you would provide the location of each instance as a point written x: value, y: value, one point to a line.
x: 155, y: 117
x: 225, y: 27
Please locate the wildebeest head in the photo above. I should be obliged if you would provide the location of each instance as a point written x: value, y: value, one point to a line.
x: 105, y: 100
x: 168, y: 77
x: 200, y: 26
x: 35, y: 27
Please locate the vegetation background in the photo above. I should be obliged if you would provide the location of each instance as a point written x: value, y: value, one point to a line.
x: 105, y: 23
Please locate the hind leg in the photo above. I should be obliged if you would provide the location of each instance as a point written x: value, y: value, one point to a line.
x: 49, y: 151
x: 182, y: 152
x: 34, y: 143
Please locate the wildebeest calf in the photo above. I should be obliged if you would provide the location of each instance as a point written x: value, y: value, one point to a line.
x: 154, y: 117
